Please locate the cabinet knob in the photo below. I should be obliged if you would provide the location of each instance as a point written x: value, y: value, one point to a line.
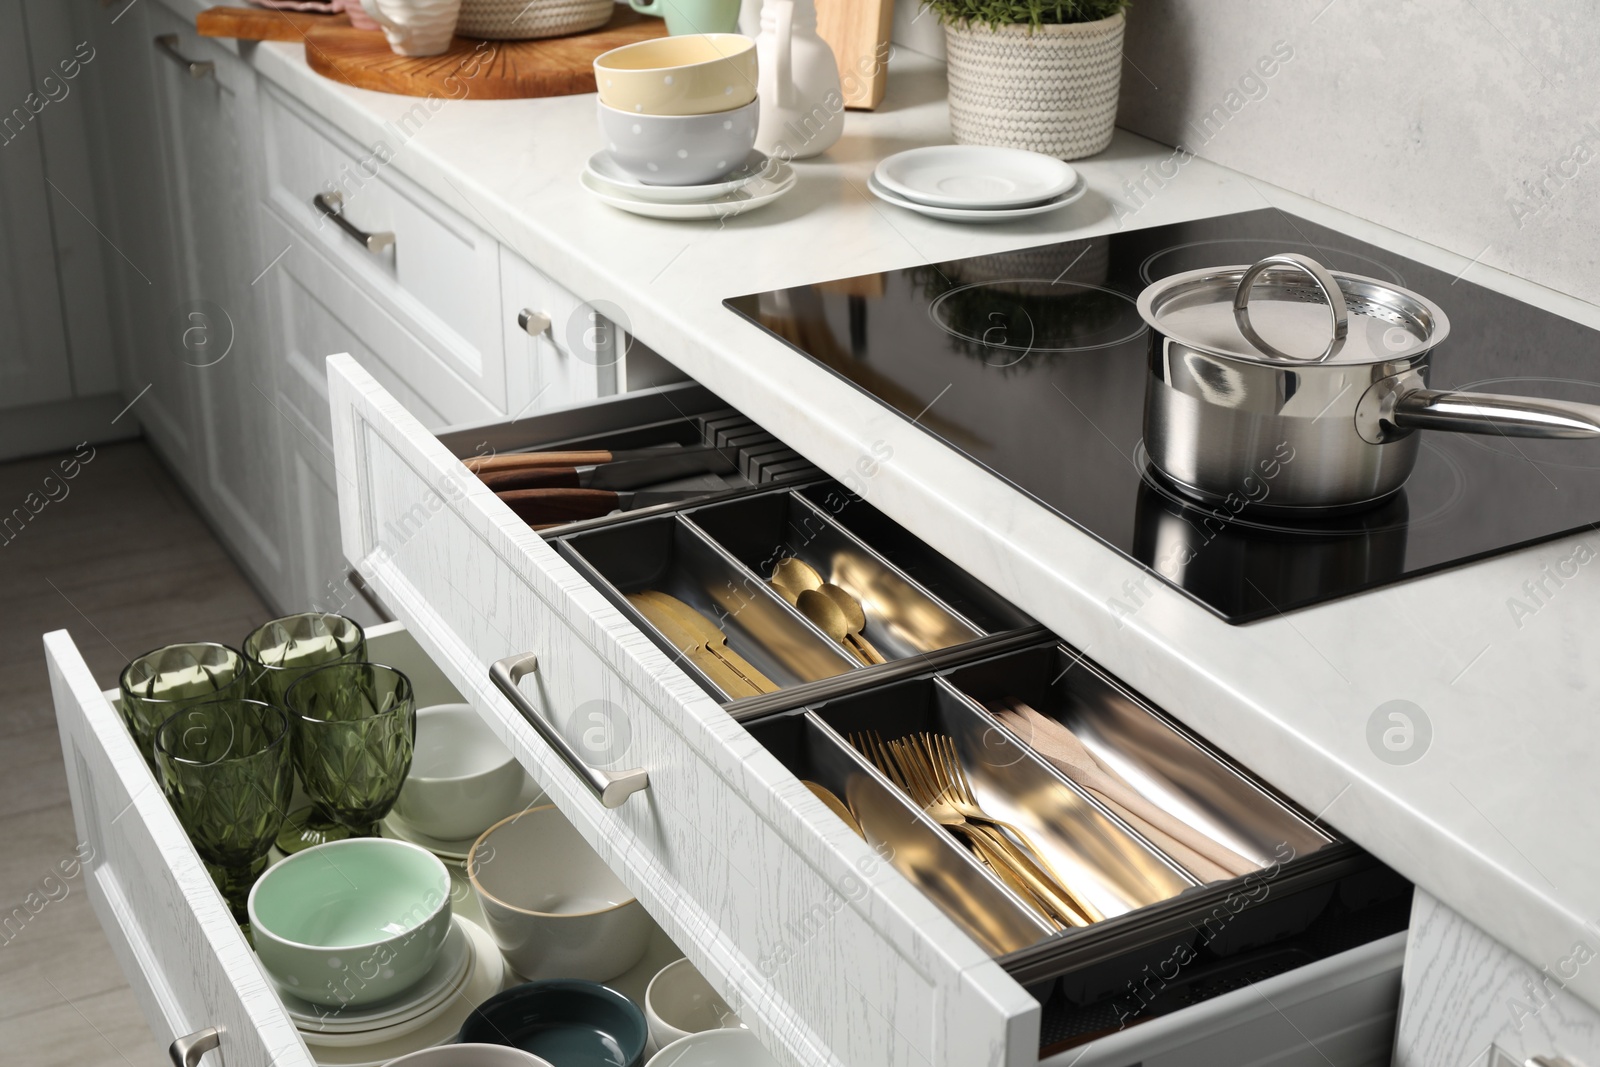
x: 187, y: 1050
x: 533, y: 322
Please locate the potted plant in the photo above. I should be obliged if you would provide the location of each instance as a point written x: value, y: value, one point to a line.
x: 1036, y: 74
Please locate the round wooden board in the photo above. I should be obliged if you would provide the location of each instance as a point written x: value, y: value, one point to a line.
x: 474, y: 69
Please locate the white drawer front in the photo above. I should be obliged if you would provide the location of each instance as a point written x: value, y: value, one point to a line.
x: 829, y: 954
x: 441, y: 277
x: 553, y: 367
x: 181, y: 950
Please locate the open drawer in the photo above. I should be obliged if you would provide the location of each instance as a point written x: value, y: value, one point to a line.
x: 823, y: 946
x: 182, y: 953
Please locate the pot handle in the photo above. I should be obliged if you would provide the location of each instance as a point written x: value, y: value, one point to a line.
x: 1325, y: 282
x: 1395, y: 406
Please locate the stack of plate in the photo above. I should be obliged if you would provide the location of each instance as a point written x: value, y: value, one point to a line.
x: 758, y: 180
x: 976, y: 183
x: 468, y: 971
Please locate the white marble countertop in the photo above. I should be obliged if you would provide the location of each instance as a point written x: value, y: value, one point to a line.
x: 1498, y: 818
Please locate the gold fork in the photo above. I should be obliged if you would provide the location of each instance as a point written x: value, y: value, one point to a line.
x: 952, y: 778
x: 911, y: 771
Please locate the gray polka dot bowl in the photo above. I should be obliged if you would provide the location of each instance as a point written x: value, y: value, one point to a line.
x: 679, y: 149
x: 692, y: 74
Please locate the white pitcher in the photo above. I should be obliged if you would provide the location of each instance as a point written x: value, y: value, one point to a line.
x: 802, y: 106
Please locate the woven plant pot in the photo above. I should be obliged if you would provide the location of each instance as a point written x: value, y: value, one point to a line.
x: 518, y: 20
x: 1051, y: 89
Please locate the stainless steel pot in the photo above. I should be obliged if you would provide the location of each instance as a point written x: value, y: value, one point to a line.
x: 1284, y: 385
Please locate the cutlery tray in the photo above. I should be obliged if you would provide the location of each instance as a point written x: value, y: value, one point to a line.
x: 714, y: 556
x: 1166, y: 941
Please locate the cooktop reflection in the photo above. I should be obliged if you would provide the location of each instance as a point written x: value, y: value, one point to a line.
x: 1033, y: 364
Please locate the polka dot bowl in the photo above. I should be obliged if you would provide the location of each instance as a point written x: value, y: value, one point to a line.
x: 351, y: 922
x: 679, y: 149
x: 693, y: 74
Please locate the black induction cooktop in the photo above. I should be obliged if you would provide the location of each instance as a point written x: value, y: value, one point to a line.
x: 1033, y: 364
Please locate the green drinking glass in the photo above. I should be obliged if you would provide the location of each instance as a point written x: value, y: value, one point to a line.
x: 226, y: 768
x: 280, y: 652
x: 355, y: 728
x: 161, y: 683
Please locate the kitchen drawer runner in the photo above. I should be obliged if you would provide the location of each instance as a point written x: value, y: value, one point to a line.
x: 179, y: 946
x: 828, y: 953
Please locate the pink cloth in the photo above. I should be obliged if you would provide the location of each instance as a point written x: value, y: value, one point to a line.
x: 358, y: 17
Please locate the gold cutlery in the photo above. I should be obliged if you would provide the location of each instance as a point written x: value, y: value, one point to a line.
x: 705, y: 645
x: 716, y: 642
x: 1207, y: 859
x: 833, y: 609
x: 835, y: 805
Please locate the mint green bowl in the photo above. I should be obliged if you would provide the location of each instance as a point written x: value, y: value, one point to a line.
x: 351, y: 922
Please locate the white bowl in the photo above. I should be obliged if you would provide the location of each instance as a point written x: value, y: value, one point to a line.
x: 679, y: 149
x: 715, y: 1048
x: 553, y: 906
x: 469, y: 1056
x: 679, y: 1002
x: 462, y: 779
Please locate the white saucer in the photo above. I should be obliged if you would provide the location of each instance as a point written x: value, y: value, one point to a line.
x: 975, y: 176
x: 437, y: 1027
x: 448, y: 973
x: 748, y: 197
x: 394, y: 826
x: 1071, y: 196
x: 605, y: 173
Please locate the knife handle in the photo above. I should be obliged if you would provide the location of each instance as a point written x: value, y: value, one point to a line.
x: 559, y: 505
x: 524, y: 460
x: 531, y: 478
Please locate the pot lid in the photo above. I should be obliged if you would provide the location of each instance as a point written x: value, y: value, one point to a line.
x: 1279, y: 312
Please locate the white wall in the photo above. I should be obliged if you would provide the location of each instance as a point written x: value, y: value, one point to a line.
x: 1450, y: 120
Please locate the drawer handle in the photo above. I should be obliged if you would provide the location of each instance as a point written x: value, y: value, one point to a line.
x: 197, y: 68
x: 331, y: 206
x: 533, y: 322
x: 187, y: 1050
x: 611, y: 788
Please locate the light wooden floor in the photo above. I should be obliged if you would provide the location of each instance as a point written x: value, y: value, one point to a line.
x: 126, y: 565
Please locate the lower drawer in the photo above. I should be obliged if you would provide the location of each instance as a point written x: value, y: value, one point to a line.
x: 182, y: 953
x: 819, y: 942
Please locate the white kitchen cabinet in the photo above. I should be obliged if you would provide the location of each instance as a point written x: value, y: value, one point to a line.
x: 210, y: 114
x: 1467, y: 999
x: 559, y: 350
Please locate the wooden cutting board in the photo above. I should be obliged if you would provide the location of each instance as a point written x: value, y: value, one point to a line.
x: 472, y: 69
x: 858, y: 32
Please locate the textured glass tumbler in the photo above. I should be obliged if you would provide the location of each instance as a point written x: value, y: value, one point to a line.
x: 283, y: 650
x: 355, y: 727
x: 226, y: 767
x: 158, y: 684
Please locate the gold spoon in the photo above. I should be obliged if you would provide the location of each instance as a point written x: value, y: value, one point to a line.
x: 792, y: 576
x: 835, y: 805
x: 855, y: 618
x: 820, y: 609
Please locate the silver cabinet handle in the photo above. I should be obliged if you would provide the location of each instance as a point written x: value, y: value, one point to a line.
x: 197, y: 68
x: 187, y: 1050
x: 533, y: 322
x: 611, y: 787
x: 331, y: 206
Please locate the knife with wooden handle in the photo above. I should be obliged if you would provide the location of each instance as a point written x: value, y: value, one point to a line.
x: 540, y: 507
x: 587, y: 457
x: 618, y: 474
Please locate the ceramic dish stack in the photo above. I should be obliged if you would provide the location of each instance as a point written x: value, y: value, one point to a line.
x: 678, y: 116
x: 976, y: 183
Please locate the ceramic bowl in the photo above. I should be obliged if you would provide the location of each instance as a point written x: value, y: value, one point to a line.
x: 694, y: 74
x: 715, y: 1048
x: 462, y: 779
x: 553, y: 906
x: 572, y: 1023
x: 680, y: 149
x: 351, y: 922
x: 478, y: 1055
x: 679, y: 1002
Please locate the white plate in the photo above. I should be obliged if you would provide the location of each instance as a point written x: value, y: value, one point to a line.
x: 394, y: 826
x: 446, y: 975
x: 614, y: 179
x: 975, y: 176
x: 488, y: 977
x: 1071, y: 196
x: 748, y: 197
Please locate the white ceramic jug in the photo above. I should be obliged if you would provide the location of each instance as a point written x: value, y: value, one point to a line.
x: 802, y: 107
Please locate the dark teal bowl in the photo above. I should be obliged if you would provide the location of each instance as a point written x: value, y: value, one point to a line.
x: 568, y: 1022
